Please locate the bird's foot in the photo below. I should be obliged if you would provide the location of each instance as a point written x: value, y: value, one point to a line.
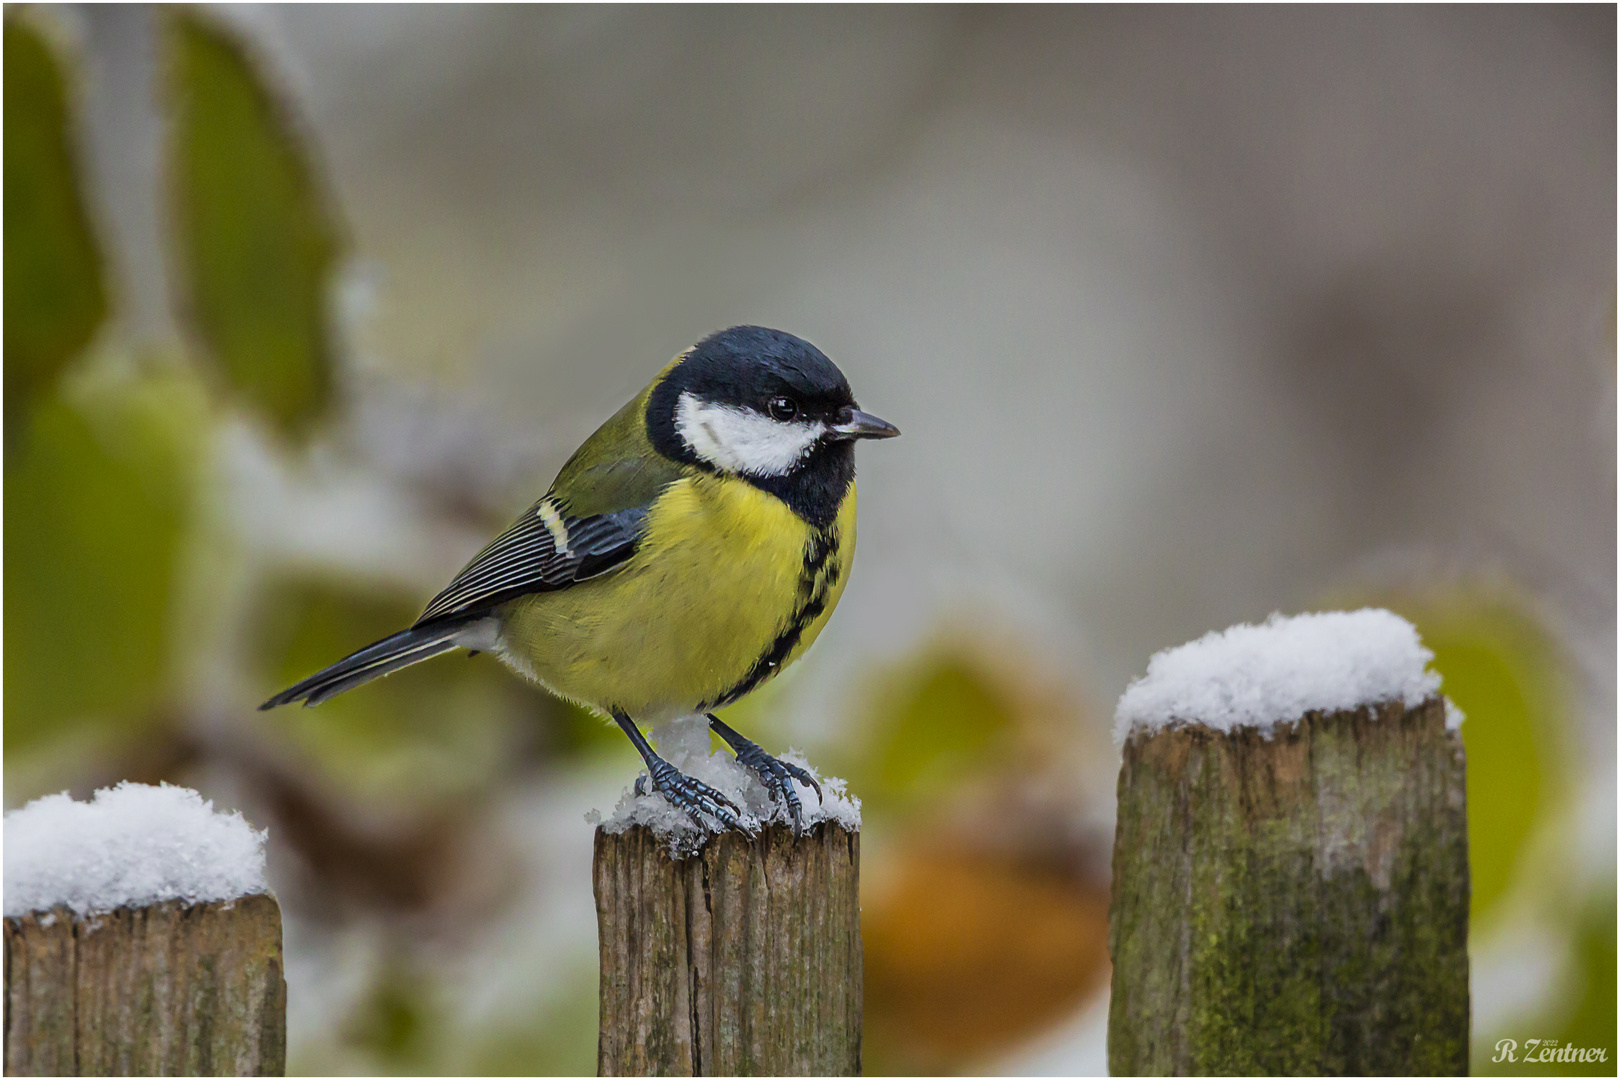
x: 777, y: 776
x: 690, y: 795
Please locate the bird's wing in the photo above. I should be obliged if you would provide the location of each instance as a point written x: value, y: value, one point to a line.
x: 589, y: 522
x: 544, y: 550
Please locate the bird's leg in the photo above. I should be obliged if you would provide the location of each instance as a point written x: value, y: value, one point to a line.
x: 778, y: 776
x: 683, y: 791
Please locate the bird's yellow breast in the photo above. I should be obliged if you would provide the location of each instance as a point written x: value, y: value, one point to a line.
x: 728, y: 587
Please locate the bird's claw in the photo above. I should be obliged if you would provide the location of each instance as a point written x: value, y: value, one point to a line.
x: 692, y: 796
x: 778, y: 776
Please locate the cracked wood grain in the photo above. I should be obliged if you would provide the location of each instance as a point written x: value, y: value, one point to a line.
x: 1290, y: 905
x: 172, y: 989
x: 744, y: 959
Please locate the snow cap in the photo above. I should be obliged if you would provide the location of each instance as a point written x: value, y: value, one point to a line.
x: 1261, y: 676
x: 130, y: 845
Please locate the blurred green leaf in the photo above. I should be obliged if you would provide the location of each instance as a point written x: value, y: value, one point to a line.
x: 95, y: 508
x: 54, y: 298
x: 254, y: 240
x: 1501, y: 673
x: 558, y: 1040
x: 437, y: 730
x: 1592, y: 1022
x: 576, y: 731
x: 397, y: 1023
x: 931, y: 725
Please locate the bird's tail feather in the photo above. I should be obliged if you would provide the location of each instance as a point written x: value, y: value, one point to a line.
x: 376, y: 660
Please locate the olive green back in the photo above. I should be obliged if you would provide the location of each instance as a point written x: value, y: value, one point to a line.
x: 617, y: 467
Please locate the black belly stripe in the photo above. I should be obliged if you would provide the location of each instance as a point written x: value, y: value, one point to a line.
x: 814, y: 587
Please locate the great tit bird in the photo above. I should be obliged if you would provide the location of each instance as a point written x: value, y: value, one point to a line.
x: 691, y: 549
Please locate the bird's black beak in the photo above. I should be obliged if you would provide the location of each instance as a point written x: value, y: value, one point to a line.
x: 854, y: 424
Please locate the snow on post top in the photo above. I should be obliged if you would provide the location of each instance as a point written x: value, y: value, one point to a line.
x: 130, y: 845
x: 684, y: 743
x: 1262, y: 676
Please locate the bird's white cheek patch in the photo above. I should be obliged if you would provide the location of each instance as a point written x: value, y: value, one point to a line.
x: 742, y: 440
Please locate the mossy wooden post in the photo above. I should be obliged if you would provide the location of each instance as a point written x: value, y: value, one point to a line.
x: 744, y: 959
x: 1292, y: 904
x: 172, y: 989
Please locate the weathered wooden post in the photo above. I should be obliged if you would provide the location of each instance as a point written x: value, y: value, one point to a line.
x: 1291, y: 859
x: 740, y: 957
x: 139, y: 940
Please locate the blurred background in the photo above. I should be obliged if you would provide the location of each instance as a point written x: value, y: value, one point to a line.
x: 1188, y: 316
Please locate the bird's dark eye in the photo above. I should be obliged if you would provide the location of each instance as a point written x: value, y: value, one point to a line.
x: 783, y: 408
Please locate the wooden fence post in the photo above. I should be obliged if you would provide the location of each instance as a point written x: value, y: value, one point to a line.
x: 744, y: 959
x: 171, y: 989
x: 1292, y: 901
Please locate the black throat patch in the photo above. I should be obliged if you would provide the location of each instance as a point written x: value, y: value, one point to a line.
x: 817, y: 488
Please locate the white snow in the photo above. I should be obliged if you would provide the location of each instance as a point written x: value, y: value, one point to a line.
x: 133, y: 844
x: 1262, y: 676
x: 1454, y: 716
x: 685, y: 744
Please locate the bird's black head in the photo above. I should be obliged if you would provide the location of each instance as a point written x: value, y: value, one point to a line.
x: 770, y: 408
